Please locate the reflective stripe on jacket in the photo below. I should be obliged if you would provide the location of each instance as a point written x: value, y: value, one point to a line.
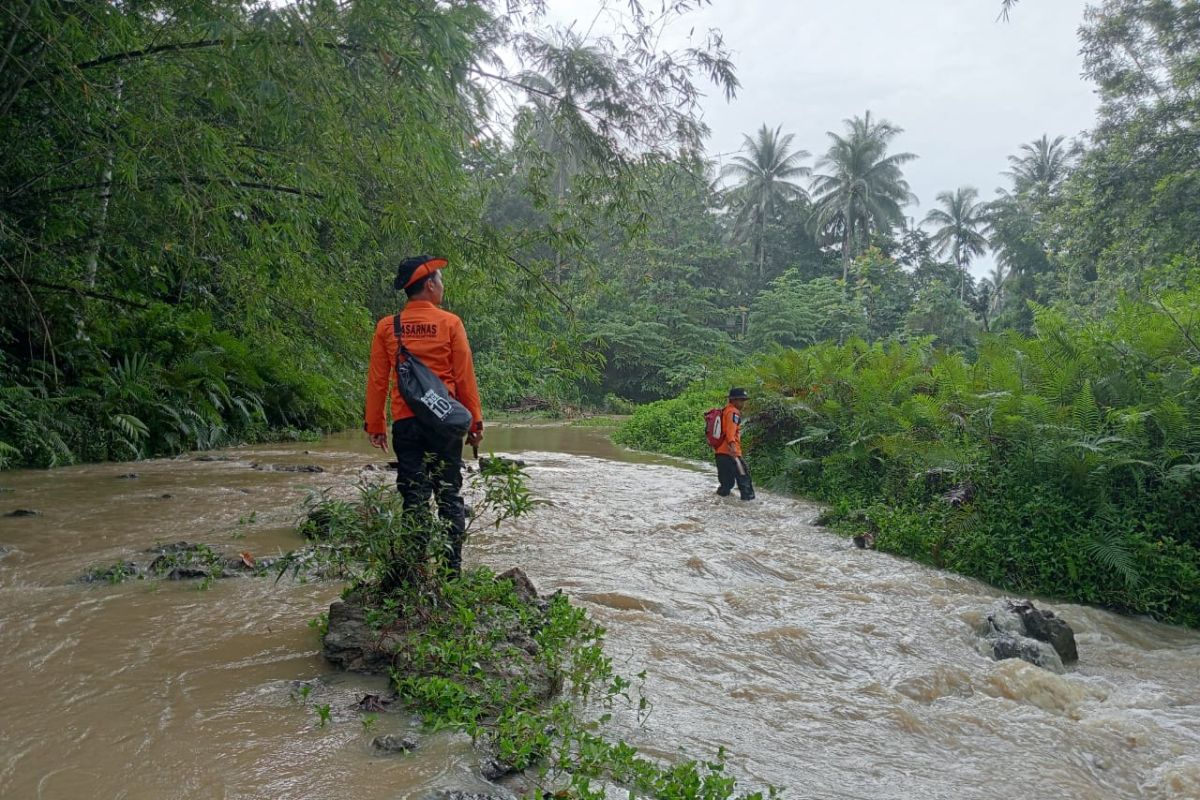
x: 439, y: 339
x: 731, y: 431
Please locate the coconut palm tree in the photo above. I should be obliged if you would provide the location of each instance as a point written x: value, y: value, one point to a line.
x: 764, y: 182
x: 997, y: 279
x: 1040, y: 167
x: 962, y: 219
x: 862, y: 188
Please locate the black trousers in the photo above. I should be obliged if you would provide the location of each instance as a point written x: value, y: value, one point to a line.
x: 731, y: 470
x: 431, y: 465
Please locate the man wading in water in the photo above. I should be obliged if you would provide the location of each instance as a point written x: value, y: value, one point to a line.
x: 731, y: 468
x: 429, y: 462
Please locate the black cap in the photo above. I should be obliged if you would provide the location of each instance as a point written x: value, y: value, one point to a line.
x: 738, y: 394
x: 410, y: 270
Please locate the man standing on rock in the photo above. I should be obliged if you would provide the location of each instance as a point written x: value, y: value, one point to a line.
x: 731, y: 467
x: 429, y: 462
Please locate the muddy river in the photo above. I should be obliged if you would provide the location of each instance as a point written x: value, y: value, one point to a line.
x: 830, y: 671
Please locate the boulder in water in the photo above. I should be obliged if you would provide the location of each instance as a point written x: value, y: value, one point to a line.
x: 1037, y: 653
x: 179, y: 561
x: 1018, y: 629
x: 394, y: 743
x: 1046, y: 627
x: 117, y: 573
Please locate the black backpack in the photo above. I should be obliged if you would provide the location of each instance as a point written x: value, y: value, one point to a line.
x: 426, y: 395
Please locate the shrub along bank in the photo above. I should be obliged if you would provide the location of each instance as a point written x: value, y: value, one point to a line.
x: 1066, y: 463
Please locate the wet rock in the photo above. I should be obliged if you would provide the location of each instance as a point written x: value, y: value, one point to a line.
x: 491, y: 766
x: 1018, y: 629
x: 353, y: 645
x: 117, y: 573
x: 129, y: 476
x: 865, y: 541
x: 394, y: 743
x: 23, y: 512
x: 1046, y: 627
x: 373, y: 703
x: 181, y: 561
x: 1037, y: 653
x: 460, y: 794
x: 287, y: 467
x: 525, y: 590
x: 246, y: 563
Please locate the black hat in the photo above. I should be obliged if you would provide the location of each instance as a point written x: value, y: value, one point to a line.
x: 413, y: 269
x: 738, y: 394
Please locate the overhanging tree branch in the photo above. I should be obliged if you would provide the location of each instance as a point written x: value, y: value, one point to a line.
x: 79, y: 290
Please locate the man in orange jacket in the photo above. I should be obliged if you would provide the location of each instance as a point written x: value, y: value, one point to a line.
x: 731, y: 467
x: 428, y: 462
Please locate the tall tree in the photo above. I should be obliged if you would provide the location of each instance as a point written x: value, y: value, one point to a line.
x: 1131, y: 209
x: 863, y: 187
x: 205, y: 199
x: 764, y: 181
x: 1040, y: 168
x: 962, y: 220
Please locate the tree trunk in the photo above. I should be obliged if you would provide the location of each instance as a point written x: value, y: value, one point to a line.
x: 105, y: 196
x: 762, y: 250
x: 846, y: 252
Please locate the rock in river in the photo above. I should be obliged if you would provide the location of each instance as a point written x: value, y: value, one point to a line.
x: 1018, y: 629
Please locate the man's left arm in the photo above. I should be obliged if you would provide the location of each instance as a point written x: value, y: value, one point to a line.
x: 464, y: 380
x: 378, y: 380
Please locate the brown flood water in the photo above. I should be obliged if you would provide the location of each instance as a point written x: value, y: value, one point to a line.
x: 833, y: 672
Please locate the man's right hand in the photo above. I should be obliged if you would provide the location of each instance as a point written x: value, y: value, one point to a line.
x: 378, y: 440
x: 474, y: 438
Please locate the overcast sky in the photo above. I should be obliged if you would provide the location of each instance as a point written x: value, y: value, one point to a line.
x: 967, y: 90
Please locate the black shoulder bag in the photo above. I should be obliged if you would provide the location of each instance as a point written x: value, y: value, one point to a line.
x: 426, y: 395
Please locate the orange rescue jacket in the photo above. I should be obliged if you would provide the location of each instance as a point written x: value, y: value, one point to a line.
x: 439, y: 339
x: 731, y: 431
